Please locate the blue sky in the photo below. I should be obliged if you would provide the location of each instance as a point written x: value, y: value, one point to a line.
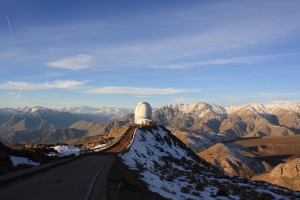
x: 117, y: 53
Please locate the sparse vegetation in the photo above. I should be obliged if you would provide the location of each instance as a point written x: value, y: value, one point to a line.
x: 199, y: 186
x: 222, y: 192
x: 185, y: 189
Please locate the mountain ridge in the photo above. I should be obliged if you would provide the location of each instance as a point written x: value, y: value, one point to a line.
x: 252, y: 120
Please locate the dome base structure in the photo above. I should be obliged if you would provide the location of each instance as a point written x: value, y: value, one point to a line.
x: 142, y: 121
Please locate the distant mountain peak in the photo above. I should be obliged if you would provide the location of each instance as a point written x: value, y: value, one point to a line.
x: 265, y: 108
x: 199, y: 108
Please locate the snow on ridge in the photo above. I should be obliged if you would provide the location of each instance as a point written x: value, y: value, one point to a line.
x: 110, y: 111
x: 200, y: 109
x: 265, y: 108
x: 288, y: 106
x: 148, y: 149
x: 254, y: 107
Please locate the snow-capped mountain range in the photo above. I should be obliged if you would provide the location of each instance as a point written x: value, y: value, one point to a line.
x: 107, y: 111
x: 200, y: 109
x: 247, y: 120
x: 203, y: 108
x: 267, y: 108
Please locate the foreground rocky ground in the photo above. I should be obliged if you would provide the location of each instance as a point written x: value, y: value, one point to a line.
x: 124, y: 183
x: 285, y: 175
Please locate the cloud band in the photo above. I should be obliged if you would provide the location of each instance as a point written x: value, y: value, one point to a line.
x: 136, y: 90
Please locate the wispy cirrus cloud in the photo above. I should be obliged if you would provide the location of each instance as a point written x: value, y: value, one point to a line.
x: 145, y: 96
x: 22, y: 85
x: 279, y: 96
x: 136, y: 90
x: 235, y: 60
x: 78, y: 62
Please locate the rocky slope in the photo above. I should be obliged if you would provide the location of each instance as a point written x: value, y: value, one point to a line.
x: 234, y: 159
x: 198, y: 140
x: 34, y: 118
x: 101, y: 128
x: 81, y: 129
x: 169, y: 168
x: 285, y: 175
x: 20, y: 119
x: 42, y: 136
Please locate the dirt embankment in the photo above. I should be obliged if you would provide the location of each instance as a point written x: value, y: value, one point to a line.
x: 123, y: 143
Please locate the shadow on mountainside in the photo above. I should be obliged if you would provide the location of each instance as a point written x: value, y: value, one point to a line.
x: 275, y: 159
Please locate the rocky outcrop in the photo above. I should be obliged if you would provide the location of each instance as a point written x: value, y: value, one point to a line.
x: 286, y: 175
x: 234, y: 159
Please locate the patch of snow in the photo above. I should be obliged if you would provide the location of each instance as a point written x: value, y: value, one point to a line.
x: 99, y: 146
x: 22, y: 160
x: 51, y: 154
x: 66, y: 150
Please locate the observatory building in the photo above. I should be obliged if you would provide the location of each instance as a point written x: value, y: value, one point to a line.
x: 142, y: 113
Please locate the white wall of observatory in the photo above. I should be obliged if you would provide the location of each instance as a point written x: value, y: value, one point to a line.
x: 142, y: 114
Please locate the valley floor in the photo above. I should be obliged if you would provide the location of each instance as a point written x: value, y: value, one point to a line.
x: 273, y: 150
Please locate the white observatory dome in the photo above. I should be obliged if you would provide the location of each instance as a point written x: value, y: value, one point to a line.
x: 142, y: 114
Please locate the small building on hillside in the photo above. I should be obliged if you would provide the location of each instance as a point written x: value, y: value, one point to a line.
x: 143, y: 113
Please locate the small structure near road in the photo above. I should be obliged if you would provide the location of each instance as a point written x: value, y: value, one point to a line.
x: 142, y: 114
